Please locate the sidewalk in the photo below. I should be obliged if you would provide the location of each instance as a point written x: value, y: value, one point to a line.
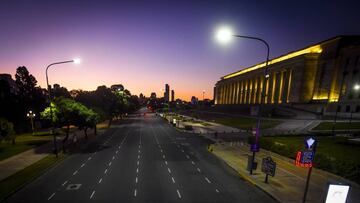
x: 289, y: 181
x: 22, y: 160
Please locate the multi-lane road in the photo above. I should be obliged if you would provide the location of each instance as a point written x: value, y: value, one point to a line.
x: 142, y: 160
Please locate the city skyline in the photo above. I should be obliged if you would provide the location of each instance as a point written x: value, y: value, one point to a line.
x: 174, y: 40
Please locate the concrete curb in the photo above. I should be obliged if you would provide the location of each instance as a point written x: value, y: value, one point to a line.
x: 247, y: 179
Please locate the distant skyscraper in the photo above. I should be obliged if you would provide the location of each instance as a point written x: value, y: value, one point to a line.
x: 167, y: 93
x: 172, y: 95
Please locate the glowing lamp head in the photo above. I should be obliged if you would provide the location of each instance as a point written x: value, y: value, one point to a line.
x: 77, y: 61
x: 357, y: 87
x: 224, y: 35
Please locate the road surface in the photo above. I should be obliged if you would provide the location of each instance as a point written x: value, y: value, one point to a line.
x: 142, y: 160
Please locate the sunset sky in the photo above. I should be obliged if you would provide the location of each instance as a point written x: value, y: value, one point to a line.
x: 145, y: 44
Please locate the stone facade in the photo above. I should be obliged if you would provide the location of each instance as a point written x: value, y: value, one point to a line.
x: 312, y: 75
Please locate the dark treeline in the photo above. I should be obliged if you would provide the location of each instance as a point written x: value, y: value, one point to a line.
x: 80, y: 108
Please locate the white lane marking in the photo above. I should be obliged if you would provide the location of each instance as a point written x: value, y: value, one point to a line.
x: 92, y: 194
x: 173, y: 179
x: 89, y: 158
x: 110, y: 163
x: 116, y: 151
x: 139, y: 150
x: 166, y: 162
x: 136, y: 180
x: 95, y: 152
x: 137, y: 163
x: 75, y: 172
x: 164, y: 156
x: 82, y: 165
x: 64, y: 183
x: 51, y: 196
x: 119, y: 146
x: 135, y: 192
x: 182, y: 150
x: 137, y: 170
x: 187, y: 156
x: 100, y: 180
x: 178, y: 194
x: 138, y: 156
x: 198, y: 169
x: 207, y: 180
x: 161, y: 150
x: 113, y: 157
x: 217, y: 190
x: 105, y: 171
x: 169, y: 170
x: 193, y: 163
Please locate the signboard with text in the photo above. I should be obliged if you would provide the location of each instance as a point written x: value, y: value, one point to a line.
x: 268, y: 166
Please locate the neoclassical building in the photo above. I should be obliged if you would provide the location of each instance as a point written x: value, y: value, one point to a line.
x: 312, y: 75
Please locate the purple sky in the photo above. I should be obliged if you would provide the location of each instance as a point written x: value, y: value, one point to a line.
x: 145, y: 44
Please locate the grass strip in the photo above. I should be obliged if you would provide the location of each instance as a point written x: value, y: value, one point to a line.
x: 13, y: 183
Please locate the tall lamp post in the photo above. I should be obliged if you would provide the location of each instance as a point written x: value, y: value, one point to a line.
x: 76, y: 61
x: 225, y: 35
x: 31, y: 115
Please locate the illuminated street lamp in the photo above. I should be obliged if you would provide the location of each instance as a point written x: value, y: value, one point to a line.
x: 203, y: 95
x: 31, y: 115
x: 225, y: 35
x: 76, y: 61
x: 356, y: 88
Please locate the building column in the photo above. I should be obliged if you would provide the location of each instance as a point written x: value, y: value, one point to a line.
x: 260, y: 88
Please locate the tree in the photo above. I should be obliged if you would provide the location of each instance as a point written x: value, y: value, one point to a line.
x: 7, y: 130
x: 59, y: 91
x: 67, y: 112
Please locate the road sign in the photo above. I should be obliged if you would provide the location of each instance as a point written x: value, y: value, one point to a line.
x: 337, y: 193
x: 254, y: 147
x: 304, y: 158
x: 268, y: 166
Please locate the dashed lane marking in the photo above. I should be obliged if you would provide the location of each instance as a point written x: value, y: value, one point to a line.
x: 64, y: 183
x: 137, y: 170
x: 136, y: 180
x: 198, y: 170
x: 169, y: 170
x: 82, y: 165
x: 207, y: 180
x: 75, y: 172
x: 217, y: 190
x: 172, y: 178
x: 110, y: 163
x: 135, y: 192
x: 113, y: 157
x: 192, y: 162
x: 178, y: 192
x: 51, y: 196
x: 92, y: 194
x: 105, y: 171
x: 166, y: 162
x: 100, y: 180
x: 89, y: 158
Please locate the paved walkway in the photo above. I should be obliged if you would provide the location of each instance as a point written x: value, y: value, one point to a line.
x: 289, y: 182
x: 22, y: 160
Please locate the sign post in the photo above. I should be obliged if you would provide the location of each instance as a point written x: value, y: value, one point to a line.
x: 268, y: 167
x: 304, y: 158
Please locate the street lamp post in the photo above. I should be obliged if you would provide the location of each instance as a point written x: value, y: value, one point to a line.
x: 77, y: 61
x: 225, y: 35
x: 31, y: 115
